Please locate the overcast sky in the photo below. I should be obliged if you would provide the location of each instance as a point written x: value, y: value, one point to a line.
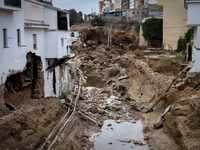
x: 86, y: 6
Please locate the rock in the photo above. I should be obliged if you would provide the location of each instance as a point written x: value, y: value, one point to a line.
x: 113, y: 72
x: 138, y: 143
x: 83, y: 97
x: 106, y: 107
x: 118, y: 103
x: 181, y: 110
x: 159, y: 122
x: 109, y: 125
x: 100, y: 111
x: 89, y: 42
x: 106, y: 90
x: 117, y: 107
x: 93, y: 110
x: 193, y: 120
x: 125, y: 140
x: 118, y: 121
x: 110, y: 143
x: 180, y: 85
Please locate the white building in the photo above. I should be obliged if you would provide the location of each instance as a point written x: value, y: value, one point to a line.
x: 193, y: 20
x: 117, y: 4
x: 35, y: 44
x: 131, y: 4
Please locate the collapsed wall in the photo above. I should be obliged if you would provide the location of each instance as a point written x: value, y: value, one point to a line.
x: 160, y: 81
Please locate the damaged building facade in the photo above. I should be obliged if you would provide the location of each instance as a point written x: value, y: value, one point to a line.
x: 35, y: 44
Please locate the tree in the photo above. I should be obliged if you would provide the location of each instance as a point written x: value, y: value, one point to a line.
x: 153, y: 31
x: 97, y: 22
x: 73, y: 16
x: 79, y: 17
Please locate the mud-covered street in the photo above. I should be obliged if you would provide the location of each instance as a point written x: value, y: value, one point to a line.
x: 121, y: 98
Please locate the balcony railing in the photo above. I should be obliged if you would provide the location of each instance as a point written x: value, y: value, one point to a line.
x: 45, y: 1
x: 14, y: 3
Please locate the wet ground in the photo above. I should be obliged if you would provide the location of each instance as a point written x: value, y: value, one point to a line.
x: 112, y: 132
x: 119, y: 131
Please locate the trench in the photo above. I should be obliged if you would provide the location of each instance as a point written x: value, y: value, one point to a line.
x: 115, y: 133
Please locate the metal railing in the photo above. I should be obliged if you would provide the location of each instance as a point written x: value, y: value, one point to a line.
x: 14, y: 3
x: 45, y: 1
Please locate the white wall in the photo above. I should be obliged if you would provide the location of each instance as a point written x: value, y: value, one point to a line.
x: 63, y: 81
x: 13, y: 58
x: 33, y: 11
x: 193, y: 12
x: 50, y: 18
x: 196, y: 53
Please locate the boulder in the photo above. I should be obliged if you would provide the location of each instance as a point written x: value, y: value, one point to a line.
x: 113, y: 72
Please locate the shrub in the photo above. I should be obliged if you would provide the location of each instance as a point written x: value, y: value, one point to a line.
x: 153, y: 31
x: 97, y: 22
x: 137, y: 28
x: 182, y: 42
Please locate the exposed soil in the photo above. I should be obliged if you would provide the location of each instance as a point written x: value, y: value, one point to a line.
x: 123, y: 101
x: 28, y: 127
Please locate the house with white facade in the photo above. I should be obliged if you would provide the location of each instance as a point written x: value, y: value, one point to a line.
x: 35, y: 44
x: 193, y: 20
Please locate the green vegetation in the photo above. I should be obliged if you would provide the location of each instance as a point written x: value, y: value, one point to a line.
x: 182, y: 42
x: 173, y: 58
x: 153, y: 31
x: 75, y: 16
x: 137, y: 28
x: 98, y: 22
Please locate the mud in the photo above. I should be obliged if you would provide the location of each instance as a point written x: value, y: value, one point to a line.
x: 114, y: 107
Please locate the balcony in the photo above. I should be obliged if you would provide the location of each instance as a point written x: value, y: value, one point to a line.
x: 13, y: 3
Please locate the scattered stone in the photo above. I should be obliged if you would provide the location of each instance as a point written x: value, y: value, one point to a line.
x: 109, y: 125
x: 117, y: 107
x: 125, y: 140
x: 93, y: 110
x: 180, y: 85
x: 118, y: 121
x: 101, y: 111
x: 138, y: 143
x: 110, y: 143
x: 118, y: 102
x: 113, y: 72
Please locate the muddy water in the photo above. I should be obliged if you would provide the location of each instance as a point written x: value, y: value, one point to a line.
x: 107, y: 139
x: 94, y: 81
x: 111, y: 131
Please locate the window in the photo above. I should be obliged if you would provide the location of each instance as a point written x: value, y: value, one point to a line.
x: 18, y: 37
x: 62, y: 42
x: 133, y: 12
x: 142, y: 12
x: 34, y: 41
x: 5, y: 38
x: 138, y: 12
